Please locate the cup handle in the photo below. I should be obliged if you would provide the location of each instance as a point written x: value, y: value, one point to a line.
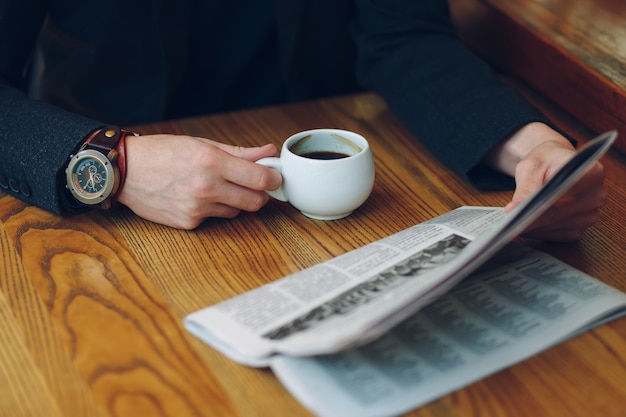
x: 274, y: 163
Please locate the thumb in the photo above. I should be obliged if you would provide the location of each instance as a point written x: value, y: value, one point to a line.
x: 526, y: 183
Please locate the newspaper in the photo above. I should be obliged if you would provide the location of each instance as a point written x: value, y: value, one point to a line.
x: 520, y: 303
x: 358, y: 297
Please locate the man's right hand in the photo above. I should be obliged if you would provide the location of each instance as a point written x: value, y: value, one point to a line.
x: 179, y: 181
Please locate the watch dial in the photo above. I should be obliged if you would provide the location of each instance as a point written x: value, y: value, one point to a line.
x: 89, y: 176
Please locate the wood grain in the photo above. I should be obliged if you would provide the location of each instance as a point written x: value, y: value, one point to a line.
x: 91, y: 305
x: 111, y: 333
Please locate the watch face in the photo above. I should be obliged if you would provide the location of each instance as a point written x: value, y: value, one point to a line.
x: 90, y: 177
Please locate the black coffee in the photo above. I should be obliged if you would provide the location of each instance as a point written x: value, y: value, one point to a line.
x: 324, y: 155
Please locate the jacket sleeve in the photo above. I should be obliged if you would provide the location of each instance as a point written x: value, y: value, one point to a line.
x: 449, y: 99
x: 36, y: 138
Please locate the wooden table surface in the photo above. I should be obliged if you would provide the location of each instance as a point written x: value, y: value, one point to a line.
x: 91, y: 305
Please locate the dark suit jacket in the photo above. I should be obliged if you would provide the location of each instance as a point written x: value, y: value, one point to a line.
x: 121, y: 62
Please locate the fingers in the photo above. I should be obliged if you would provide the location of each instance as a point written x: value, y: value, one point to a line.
x: 187, y: 211
x: 556, y: 236
x: 250, y: 154
x: 591, y: 182
x: 179, y: 180
x: 227, y: 194
x: 222, y: 179
x: 559, y: 225
x: 250, y: 175
x: 236, y: 166
x: 573, y: 213
x: 533, y: 171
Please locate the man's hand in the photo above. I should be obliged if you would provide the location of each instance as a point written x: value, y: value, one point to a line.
x: 533, y: 155
x: 179, y: 181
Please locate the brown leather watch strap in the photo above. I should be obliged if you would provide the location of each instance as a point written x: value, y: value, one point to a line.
x: 121, y: 158
x: 105, y: 140
x: 110, y: 141
x: 121, y: 163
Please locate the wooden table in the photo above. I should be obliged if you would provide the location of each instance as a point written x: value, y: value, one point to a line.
x: 91, y: 305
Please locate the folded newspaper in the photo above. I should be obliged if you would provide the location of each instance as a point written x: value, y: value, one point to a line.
x: 417, y: 314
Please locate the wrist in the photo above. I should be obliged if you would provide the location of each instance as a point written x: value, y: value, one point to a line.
x: 512, y: 150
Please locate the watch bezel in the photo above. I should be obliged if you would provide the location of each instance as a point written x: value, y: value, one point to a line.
x: 92, y: 198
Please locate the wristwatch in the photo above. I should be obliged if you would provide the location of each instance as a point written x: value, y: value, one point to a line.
x: 93, y: 174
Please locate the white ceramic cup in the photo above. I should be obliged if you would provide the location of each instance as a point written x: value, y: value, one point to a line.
x: 324, y: 189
